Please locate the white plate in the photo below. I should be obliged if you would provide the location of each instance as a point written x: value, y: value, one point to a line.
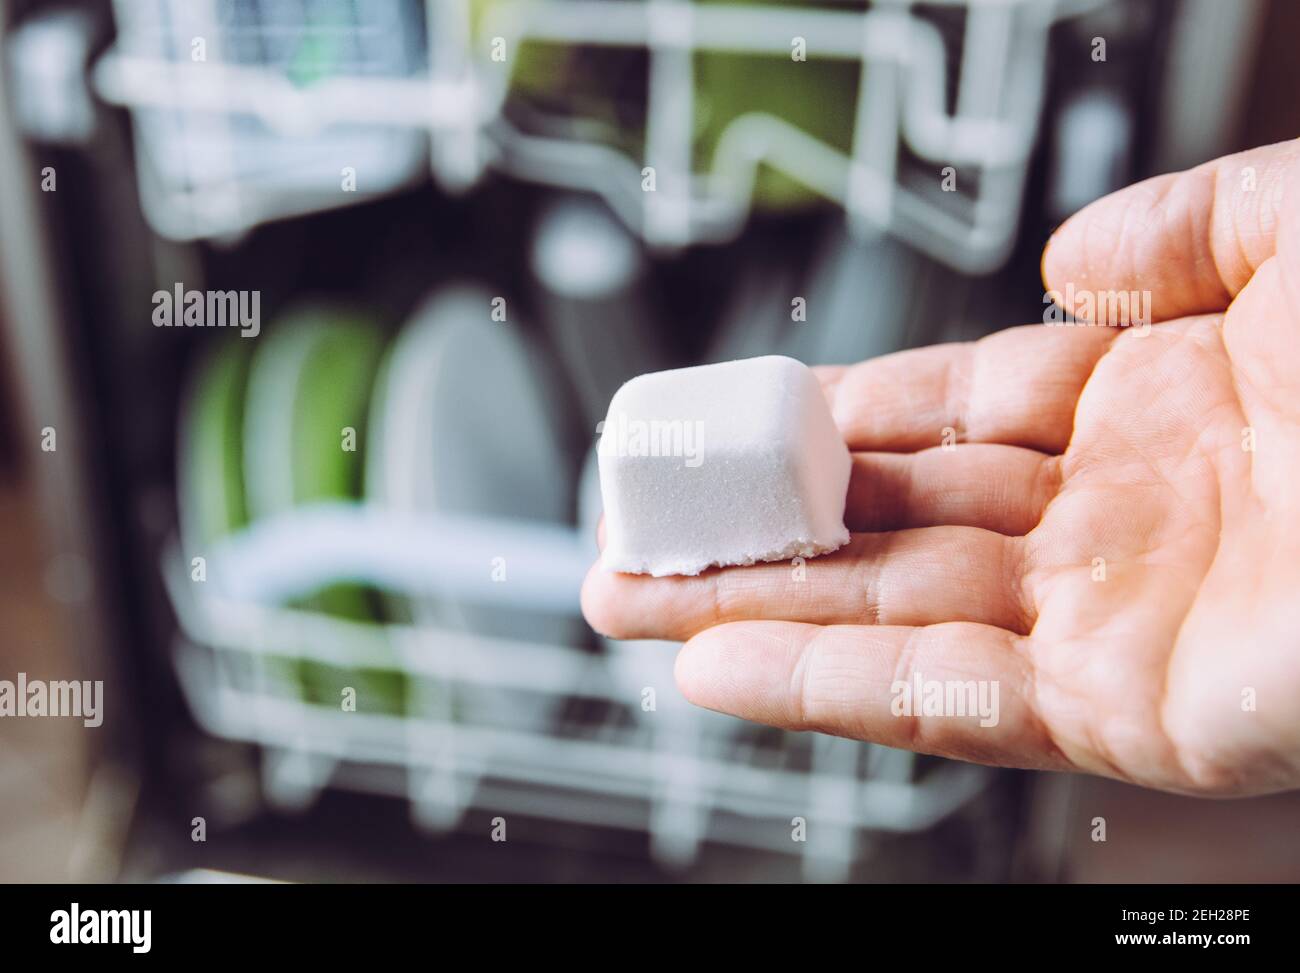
x: 467, y: 420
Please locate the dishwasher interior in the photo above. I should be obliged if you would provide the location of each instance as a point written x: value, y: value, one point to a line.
x: 336, y: 544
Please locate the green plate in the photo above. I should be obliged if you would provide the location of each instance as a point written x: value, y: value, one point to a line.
x: 210, y: 472
x: 211, y: 498
x: 310, y: 381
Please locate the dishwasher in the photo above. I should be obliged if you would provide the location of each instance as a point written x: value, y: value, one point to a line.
x: 334, y: 293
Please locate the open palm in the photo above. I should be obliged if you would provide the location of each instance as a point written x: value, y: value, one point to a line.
x: 1104, y: 521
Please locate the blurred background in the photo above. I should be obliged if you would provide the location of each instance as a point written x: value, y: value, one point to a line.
x: 464, y: 224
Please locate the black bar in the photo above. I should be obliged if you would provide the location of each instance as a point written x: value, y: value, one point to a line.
x: 327, y: 923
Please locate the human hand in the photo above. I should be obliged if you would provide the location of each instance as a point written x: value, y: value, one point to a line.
x: 1114, y: 539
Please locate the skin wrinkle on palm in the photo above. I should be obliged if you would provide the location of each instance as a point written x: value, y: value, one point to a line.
x: 1076, y: 444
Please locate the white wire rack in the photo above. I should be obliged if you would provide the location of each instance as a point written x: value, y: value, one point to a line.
x: 247, y: 135
x: 592, y: 753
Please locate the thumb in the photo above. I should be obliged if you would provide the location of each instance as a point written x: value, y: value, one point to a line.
x: 1192, y: 240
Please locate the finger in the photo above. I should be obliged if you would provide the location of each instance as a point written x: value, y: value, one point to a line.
x: 862, y: 682
x: 1259, y: 333
x: 1190, y: 239
x: 830, y: 376
x: 1017, y: 387
x: 909, y: 577
x: 999, y: 488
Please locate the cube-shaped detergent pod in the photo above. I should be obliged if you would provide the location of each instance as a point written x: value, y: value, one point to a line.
x: 722, y: 464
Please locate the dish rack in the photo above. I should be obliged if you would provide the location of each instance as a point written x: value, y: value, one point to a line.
x: 248, y: 111
x: 595, y: 755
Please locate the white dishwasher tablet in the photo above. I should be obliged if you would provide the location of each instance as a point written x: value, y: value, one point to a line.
x: 721, y: 464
